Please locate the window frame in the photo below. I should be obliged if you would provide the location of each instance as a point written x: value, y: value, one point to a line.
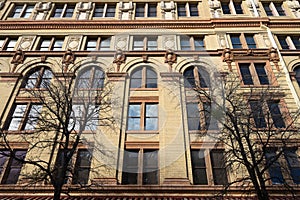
x: 233, y: 7
x: 192, y: 41
x: 187, y: 9
x: 198, y: 80
x: 25, y: 10
x: 52, y: 43
x: 24, y: 118
x: 99, y: 43
x: 144, y: 78
x: 146, y: 10
x: 244, y: 41
x: 39, y: 79
x: 141, y: 157
x: 255, y: 76
x: 145, y: 43
x: 78, y: 167
x: 106, y: 11
x: 289, y: 42
x: 274, y: 9
x: 208, y: 161
x: 8, y: 165
x: 65, y: 7
x: 92, y: 69
x: 142, y: 116
x: 6, y: 44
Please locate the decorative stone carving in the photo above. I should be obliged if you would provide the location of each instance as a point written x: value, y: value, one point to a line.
x: 121, y: 43
x: 250, y: 4
x: 18, y: 58
x: 2, y: 3
x: 215, y: 8
x: 83, y: 10
x: 119, y: 58
x: 26, y: 43
x: 170, y: 58
x: 222, y: 41
x: 267, y: 40
x: 41, y: 10
x: 273, y: 57
x: 68, y: 58
x: 73, y: 42
x: 169, y: 42
x: 125, y: 10
x: 294, y: 5
x: 227, y: 57
x: 168, y: 9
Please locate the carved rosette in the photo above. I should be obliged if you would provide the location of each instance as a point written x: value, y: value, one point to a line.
x: 68, y: 58
x: 169, y: 42
x: 41, y: 10
x: 73, y: 42
x: 121, y: 43
x: 26, y: 43
x: 125, y: 10
x: 84, y: 10
x: 168, y: 9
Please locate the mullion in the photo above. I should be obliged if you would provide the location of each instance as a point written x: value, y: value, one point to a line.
x: 25, y: 117
x: 143, y: 116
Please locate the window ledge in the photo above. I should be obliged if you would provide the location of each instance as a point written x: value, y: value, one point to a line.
x: 142, y: 132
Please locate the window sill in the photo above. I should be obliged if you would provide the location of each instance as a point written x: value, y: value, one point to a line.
x: 142, y: 132
x: 144, y: 89
x: 260, y: 86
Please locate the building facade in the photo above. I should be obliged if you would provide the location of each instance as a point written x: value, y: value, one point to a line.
x: 150, y: 55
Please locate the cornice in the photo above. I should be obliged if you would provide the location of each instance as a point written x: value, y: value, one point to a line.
x: 132, y: 24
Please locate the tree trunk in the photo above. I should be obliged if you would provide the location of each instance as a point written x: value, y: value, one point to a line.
x: 57, y: 193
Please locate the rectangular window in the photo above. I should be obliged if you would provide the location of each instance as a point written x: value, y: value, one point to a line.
x: 10, y: 167
x: 289, y: 42
x: 199, y: 167
x: 218, y: 167
x: 50, y: 44
x: 82, y: 167
x: 254, y: 74
x: 140, y: 166
x: 141, y: 43
x: 269, y: 112
x: 8, y: 44
x: 24, y: 117
x: 143, y: 116
x: 187, y: 9
x: 192, y: 42
x: 273, y: 9
x: 84, y: 117
x: 231, y: 7
x: 98, y: 44
x: 293, y: 163
x: 274, y: 167
x: 240, y: 41
x: 104, y: 10
x: 63, y: 11
x: 21, y: 11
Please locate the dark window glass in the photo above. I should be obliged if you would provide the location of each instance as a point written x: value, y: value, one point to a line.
x: 181, y: 9
x: 152, y: 10
x: 199, y: 43
x: 225, y: 8
x: 140, y: 10
x: 13, y: 168
x: 58, y: 10
x: 276, y: 114
x: 297, y: 71
x: 274, y: 167
x: 193, y: 114
x: 245, y: 72
x: 91, y: 78
x: 296, y: 41
x: 39, y: 79
x: 218, y: 167
x: 130, y: 167
x: 199, y: 167
x: 110, y: 11
x: 16, y: 13
x: 250, y: 41
x: 143, y: 77
x: 99, y: 10
x: 189, y: 78
x: 257, y: 113
x: 293, y: 163
x: 69, y: 11
x: 268, y: 9
x: 82, y: 167
x: 283, y: 43
x: 150, y: 167
x: 193, y: 9
x: 236, y: 42
x: 279, y: 9
x: 238, y: 7
x: 185, y: 43
x: 261, y: 72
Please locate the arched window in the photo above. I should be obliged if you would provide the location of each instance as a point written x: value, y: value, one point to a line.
x: 39, y: 78
x: 93, y: 77
x: 143, y: 77
x: 297, y: 76
x: 196, y: 77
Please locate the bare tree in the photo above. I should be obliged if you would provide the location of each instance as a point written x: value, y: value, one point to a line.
x: 257, y: 132
x: 66, y: 108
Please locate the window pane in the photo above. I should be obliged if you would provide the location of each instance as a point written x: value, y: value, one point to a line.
x: 69, y: 11
x: 199, y: 43
x: 193, y: 9
x: 245, y: 72
x: 204, y: 77
x: 276, y: 114
x: 261, y: 72
x: 296, y: 41
x: 185, y: 43
x: 98, y: 78
x: 250, y: 41
x: 181, y: 9
x: 151, y: 78
x: 283, y: 42
x: 130, y: 167
x: 293, y: 163
x: 199, y: 168
x: 225, y: 8
x: 238, y: 7
x: 236, y: 42
x: 111, y: 9
x: 138, y: 43
x: 297, y: 71
x: 82, y: 167
x: 99, y: 10
x: 17, y: 117
x: 58, y: 11
x: 47, y: 76
x: 218, y: 167
x: 32, y: 80
x: 136, y: 79
x: 150, y: 167
x: 58, y: 45
x: 257, y: 113
x: 105, y: 44
x: 151, y: 10
x: 193, y: 116
x: 134, y: 117
x: 11, y: 45
x: 279, y: 9
x: 152, y: 44
x: 32, y: 119
x: 189, y: 78
x: 140, y: 10
x: 84, y: 79
x: 268, y: 9
x: 274, y: 167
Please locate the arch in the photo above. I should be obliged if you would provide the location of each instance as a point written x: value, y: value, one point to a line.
x: 90, y: 77
x: 102, y: 63
x: 144, y: 76
x: 38, y: 77
x: 157, y: 65
x: 196, y: 76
